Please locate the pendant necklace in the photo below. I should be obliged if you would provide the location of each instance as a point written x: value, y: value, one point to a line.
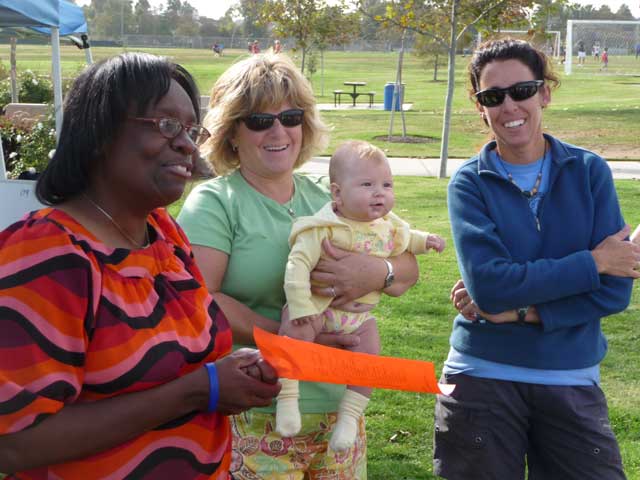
x: 534, y: 190
x: 288, y: 203
x: 289, y: 209
x: 122, y: 231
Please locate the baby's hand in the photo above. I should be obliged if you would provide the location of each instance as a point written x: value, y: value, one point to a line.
x: 435, y: 242
x: 304, y: 320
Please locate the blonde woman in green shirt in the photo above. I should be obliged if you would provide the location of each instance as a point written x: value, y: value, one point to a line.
x: 264, y: 124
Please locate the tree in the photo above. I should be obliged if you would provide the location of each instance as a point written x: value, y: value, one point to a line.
x: 446, y: 22
x: 250, y: 11
x: 110, y: 18
x: 186, y: 24
x: 624, y: 13
x: 294, y: 19
x: 333, y: 26
x: 143, y: 17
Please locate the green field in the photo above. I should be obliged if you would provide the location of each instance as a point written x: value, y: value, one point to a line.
x: 599, y: 111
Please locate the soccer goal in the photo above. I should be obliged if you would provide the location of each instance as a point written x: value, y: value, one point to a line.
x: 549, y: 41
x: 621, y: 38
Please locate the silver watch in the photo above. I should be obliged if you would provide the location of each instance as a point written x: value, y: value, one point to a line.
x: 388, y: 280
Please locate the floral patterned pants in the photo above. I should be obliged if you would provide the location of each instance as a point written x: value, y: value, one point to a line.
x: 260, y: 453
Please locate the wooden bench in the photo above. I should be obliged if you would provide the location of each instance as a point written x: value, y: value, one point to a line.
x: 337, y: 94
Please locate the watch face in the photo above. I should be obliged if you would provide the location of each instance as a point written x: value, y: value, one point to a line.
x: 522, y: 313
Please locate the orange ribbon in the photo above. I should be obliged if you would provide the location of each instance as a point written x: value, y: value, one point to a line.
x: 300, y: 360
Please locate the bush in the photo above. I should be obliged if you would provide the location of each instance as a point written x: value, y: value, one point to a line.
x: 32, y: 89
x: 27, y: 143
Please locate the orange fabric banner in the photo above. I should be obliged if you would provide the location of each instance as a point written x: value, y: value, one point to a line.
x: 300, y: 360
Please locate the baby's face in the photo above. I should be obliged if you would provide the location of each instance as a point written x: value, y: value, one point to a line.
x: 365, y: 190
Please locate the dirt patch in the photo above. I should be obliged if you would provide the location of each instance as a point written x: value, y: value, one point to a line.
x: 407, y: 139
x: 615, y: 152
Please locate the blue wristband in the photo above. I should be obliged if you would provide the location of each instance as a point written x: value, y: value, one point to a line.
x: 214, y: 387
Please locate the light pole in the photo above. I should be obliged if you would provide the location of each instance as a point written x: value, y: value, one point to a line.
x: 122, y: 21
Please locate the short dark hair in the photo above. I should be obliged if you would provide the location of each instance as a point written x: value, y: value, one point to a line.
x: 95, y: 109
x: 510, y: 49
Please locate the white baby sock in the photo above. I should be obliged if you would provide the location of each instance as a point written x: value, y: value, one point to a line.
x: 288, y: 421
x: 351, y: 408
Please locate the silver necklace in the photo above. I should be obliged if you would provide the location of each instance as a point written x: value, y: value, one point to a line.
x: 119, y: 228
x: 287, y: 205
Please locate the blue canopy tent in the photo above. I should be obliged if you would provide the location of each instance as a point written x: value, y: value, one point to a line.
x: 50, y: 17
x: 54, y: 18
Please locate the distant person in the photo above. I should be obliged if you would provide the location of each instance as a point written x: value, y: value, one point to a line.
x: 582, y: 53
x: 596, y: 51
x: 359, y: 219
x: 277, y: 46
x: 605, y: 59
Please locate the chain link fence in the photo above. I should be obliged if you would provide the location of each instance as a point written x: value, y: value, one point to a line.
x: 237, y: 42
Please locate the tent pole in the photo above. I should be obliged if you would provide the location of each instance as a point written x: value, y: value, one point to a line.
x: 57, y: 78
x: 14, y: 74
x: 3, y: 170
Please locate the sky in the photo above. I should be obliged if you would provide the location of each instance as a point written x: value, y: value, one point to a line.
x: 217, y: 8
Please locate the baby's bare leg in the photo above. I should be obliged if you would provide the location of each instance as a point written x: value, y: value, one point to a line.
x: 307, y: 330
x: 369, y: 343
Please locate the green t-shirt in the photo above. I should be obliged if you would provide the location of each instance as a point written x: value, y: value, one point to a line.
x: 227, y: 214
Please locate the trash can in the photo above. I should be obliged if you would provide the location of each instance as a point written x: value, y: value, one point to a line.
x: 388, y: 96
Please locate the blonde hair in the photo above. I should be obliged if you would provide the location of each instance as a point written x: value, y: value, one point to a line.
x: 253, y: 85
x: 344, y: 155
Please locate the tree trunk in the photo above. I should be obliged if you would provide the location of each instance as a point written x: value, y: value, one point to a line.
x: 435, y: 69
x: 444, y: 146
x: 322, y: 73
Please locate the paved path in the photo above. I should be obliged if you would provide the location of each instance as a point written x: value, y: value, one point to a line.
x: 430, y: 167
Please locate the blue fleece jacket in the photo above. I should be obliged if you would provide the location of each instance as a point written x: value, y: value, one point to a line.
x: 510, y: 258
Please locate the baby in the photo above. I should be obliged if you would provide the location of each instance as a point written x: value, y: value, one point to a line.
x: 358, y: 219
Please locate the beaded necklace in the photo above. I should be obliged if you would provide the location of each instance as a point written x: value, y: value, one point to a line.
x: 536, y: 186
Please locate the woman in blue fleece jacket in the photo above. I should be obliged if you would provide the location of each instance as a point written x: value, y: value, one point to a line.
x: 543, y: 254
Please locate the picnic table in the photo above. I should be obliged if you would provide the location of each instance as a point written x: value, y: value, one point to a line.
x: 337, y: 94
x: 355, y: 86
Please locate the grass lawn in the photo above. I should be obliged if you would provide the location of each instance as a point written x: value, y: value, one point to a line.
x: 417, y: 325
x: 591, y: 109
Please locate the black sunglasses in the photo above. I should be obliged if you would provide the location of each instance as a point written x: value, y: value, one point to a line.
x: 263, y: 121
x: 492, y: 97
